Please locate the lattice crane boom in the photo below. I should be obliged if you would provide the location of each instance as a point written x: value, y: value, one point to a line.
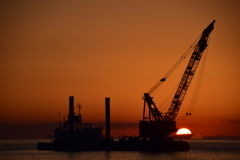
x: 188, y: 74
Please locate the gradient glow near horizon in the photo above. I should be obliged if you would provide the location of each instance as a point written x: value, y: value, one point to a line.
x: 119, y: 49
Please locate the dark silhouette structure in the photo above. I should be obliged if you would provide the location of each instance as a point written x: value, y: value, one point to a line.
x: 107, y: 114
x: 154, y: 128
x: 159, y: 125
x: 75, y: 136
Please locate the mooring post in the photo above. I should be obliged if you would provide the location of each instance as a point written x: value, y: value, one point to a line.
x: 107, y: 125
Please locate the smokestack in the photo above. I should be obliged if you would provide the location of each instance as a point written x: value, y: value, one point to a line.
x: 71, y: 113
x: 107, y: 109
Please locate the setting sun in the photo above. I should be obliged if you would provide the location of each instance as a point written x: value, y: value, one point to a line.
x: 183, y: 131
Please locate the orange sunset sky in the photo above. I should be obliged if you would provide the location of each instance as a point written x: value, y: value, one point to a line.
x: 119, y: 49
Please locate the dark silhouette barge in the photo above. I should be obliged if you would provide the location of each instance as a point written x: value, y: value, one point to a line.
x: 154, y: 128
x: 75, y: 136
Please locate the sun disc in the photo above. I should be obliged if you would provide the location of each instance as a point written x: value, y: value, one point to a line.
x: 183, y: 131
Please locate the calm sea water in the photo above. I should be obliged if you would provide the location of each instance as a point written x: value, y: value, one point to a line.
x: 25, y: 149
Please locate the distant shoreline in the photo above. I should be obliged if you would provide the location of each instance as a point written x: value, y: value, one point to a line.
x: 15, y: 131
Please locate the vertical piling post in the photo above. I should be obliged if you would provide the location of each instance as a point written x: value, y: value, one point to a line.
x: 71, y: 113
x: 107, y: 114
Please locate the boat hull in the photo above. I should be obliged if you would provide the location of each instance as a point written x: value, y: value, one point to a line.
x: 117, y: 146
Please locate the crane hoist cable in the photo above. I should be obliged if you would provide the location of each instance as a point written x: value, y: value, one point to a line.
x: 196, y: 89
x: 165, y: 104
x: 174, y: 67
x: 198, y: 83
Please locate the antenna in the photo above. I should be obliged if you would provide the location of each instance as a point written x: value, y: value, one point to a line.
x: 59, y: 120
x: 79, y: 108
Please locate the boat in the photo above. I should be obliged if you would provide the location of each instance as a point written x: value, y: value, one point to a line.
x: 73, y: 135
x: 154, y: 129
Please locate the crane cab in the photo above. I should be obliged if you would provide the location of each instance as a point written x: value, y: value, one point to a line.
x: 156, y: 129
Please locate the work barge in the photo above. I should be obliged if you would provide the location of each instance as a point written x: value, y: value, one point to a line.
x: 76, y: 136
x: 155, y: 127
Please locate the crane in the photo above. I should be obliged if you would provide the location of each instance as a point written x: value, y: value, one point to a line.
x: 157, y: 125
